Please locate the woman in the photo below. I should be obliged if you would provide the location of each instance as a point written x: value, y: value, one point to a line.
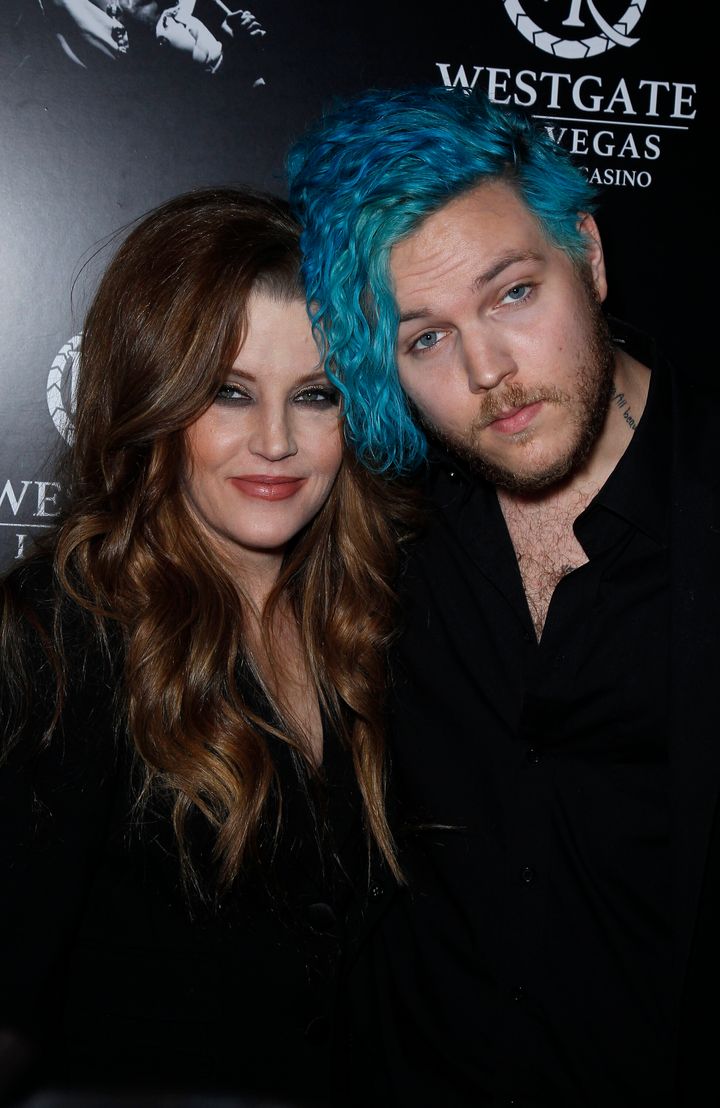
x: 191, y: 672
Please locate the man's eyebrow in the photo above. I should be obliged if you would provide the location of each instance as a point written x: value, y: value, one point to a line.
x: 481, y: 280
x: 504, y: 262
x: 416, y: 313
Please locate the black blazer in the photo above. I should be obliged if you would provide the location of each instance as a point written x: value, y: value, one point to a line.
x: 119, y: 975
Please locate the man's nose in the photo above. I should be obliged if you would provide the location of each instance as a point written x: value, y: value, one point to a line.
x: 487, y: 361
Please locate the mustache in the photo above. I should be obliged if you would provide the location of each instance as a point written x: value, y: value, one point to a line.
x: 514, y: 396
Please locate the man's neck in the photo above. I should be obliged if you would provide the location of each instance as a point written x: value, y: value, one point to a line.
x: 541, y: 525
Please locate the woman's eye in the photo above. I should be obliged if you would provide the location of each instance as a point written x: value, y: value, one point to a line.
x: 229, y: 393
x: 427, y: 340
x: 517, y: 293
x: 318, y: 396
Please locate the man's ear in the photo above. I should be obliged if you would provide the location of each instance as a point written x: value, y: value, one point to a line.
x: 593, y: 252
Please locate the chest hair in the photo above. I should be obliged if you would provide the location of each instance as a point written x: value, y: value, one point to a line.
x: 545, y: 546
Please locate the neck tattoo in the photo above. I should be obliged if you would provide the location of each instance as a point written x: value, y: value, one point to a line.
x: 623, y: 405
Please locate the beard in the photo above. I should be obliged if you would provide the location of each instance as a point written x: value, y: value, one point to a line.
x: 588, y: 408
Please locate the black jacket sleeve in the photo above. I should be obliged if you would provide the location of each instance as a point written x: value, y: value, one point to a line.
x: 55, y: 804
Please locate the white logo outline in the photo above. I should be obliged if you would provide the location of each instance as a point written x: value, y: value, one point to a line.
x: 617, y: 34
x: 66, y: 361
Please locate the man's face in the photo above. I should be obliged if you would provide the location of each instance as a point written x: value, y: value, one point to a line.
x: 502, y: 346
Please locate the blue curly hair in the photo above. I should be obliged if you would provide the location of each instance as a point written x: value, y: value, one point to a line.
x: 367, y: 174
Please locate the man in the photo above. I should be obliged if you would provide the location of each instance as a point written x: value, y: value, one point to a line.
x: 553, y: 743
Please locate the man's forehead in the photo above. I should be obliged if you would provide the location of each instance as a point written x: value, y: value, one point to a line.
x: 491, y: 223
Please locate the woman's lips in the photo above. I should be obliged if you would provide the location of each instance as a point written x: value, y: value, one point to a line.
x: 516, y: 420
x: 263, y: 487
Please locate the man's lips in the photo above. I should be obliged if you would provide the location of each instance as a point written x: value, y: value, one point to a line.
x: 515, y: 419
x: 263, y: 487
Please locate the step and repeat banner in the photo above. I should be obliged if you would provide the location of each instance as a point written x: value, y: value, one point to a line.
x: 108, y: 107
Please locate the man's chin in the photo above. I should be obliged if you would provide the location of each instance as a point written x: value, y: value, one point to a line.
x: 525, y: 482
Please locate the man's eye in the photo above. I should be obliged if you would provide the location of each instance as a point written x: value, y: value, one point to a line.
x: 427, y: 340
x: 318, y: 396
x: 517, y: 293
x: 229, y: 393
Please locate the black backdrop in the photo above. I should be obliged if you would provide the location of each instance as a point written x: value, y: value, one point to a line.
x: 96, y: 130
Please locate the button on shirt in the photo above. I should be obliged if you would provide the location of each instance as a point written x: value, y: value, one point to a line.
x: 528, y: 961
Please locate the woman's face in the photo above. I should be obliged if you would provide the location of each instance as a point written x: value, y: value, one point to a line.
x: 265, y: 454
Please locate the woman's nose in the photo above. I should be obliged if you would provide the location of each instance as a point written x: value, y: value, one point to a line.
x: 272, y: 434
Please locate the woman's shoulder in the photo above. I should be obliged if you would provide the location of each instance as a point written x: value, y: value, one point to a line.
x: 28, y: 602
x: 32, y: 580
x: 50, y: 641
x: 36, y: 601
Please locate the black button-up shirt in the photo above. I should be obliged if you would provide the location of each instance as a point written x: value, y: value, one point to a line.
x: 528, y: 964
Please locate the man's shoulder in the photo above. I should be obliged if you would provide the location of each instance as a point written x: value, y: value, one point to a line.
x: 695, y: 407
x: 693, y: 391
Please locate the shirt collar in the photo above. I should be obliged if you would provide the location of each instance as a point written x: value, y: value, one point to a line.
x: 637, y: 489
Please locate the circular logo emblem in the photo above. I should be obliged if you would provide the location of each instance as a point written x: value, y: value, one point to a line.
x: 594, y: 34
x: 62, y: 387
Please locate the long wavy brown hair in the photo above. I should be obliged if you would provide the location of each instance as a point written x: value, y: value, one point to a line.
x: 163, y: 328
